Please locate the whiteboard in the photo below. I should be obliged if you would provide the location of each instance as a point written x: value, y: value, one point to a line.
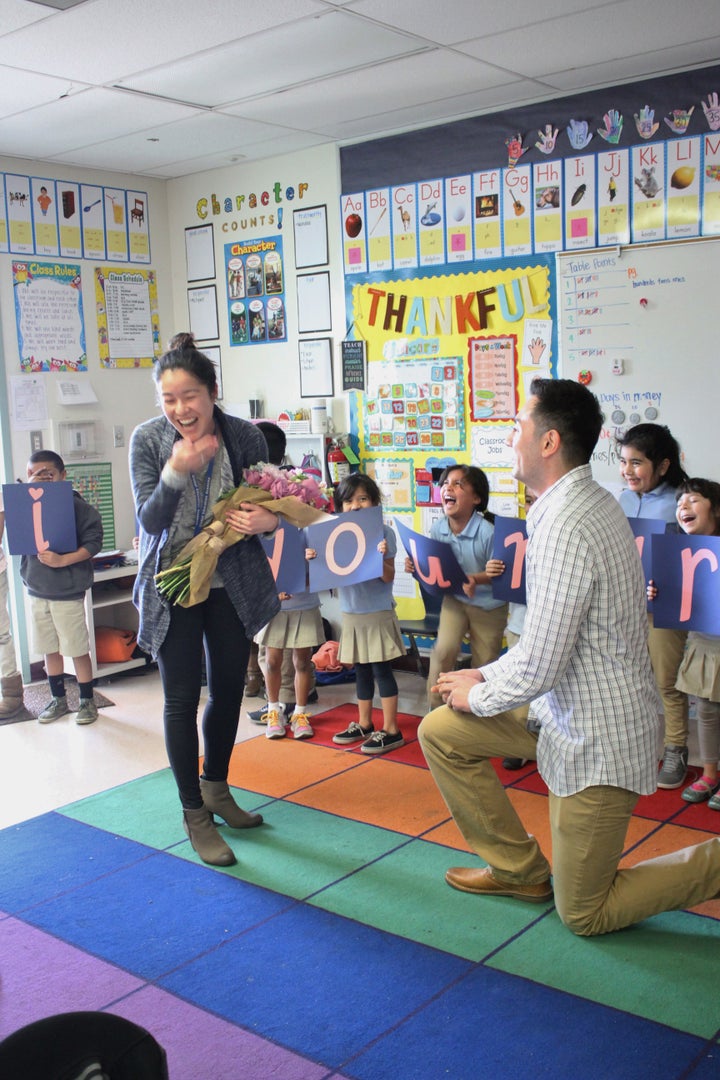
x: 654, y: 311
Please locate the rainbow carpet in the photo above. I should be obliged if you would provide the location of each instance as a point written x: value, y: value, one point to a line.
x: 334, y: 948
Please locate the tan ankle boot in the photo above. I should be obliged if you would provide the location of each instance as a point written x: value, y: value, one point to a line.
x: 11, y: 702
x: 217, y: 798
x: 205, y: 838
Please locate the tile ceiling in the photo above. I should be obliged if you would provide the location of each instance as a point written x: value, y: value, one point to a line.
x: 167, y: 88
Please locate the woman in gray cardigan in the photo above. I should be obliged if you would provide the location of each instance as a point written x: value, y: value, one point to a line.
x: 180, y: 463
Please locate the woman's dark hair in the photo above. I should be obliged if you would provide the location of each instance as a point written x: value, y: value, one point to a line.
x: 347, y: 487
x: 657, y: 443
x: 572, y: 410
x: 184, y: 340
x: 477, y: 480
x: 709, y: 489
x: 191, y: 360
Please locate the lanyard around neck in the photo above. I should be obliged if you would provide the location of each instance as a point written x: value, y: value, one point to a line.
x: 201, y: 503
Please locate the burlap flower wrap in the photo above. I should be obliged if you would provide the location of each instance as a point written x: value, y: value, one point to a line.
x: 187, y: 581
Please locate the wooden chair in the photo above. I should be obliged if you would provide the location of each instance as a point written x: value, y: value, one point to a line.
x: 138, y: 212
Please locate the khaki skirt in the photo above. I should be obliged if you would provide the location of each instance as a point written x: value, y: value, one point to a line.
x: 699, y: 672
x: 371, y: 638
x: 293, y: 630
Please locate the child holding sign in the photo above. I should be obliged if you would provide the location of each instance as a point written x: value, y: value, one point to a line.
x: 468, y: 527
x: 650, y: 466
x: 370, y: 637
x: 56, y: 584
x: 698, y: 514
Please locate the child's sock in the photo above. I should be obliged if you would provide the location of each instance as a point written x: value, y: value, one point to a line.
x: 86, y: 690
x: 276, y: 706
x: 57, y: 685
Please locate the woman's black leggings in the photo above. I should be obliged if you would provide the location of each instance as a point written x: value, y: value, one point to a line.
x: 369, y: 674
x: 215, y: 627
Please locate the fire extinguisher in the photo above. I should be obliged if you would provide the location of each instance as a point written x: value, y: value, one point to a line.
x: 338, y: 465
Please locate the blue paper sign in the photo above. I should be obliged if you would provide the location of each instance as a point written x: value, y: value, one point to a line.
x: 40, y: 517
x: 347, y: 549
x: 285, y: 550
x: 686, y: 571
x: 509, y: 544
x: 434, y: 561
x: 644, y: 529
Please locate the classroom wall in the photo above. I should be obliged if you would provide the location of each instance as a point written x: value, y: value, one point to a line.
x: 125, y: 396
x: 269, y: 371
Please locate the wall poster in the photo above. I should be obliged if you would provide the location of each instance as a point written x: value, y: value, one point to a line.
x: 49, y: 315
x: 127, y: 315
x: 256, y: 291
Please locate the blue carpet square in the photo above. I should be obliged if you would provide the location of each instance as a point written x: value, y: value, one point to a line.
x: 501, y: 1026
x: 316, y: 983
x: 157, y: 914
x: 51, y: 854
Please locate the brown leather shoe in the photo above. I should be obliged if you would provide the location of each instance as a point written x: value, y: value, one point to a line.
x: 483, y: 883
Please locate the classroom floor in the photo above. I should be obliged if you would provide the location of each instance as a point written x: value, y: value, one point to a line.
x: 333, y: 948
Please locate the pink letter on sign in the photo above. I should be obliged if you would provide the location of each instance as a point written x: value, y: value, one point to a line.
x: 434, y: 575
x: 520, y: 543
x: 689, y: 563
x: 276, y: 557
x: 41, y: 543
x: 332, y: 564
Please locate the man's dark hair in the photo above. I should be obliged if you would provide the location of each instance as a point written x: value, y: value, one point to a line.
x: 275, y: 439
x: 569, y: 408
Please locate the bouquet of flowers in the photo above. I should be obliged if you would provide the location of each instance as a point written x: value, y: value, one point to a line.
x: 300, y: 499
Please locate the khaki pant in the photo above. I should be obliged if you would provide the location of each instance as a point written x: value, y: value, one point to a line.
x: 666, y: 649
x: 485, y: 629
x: 588, y: 830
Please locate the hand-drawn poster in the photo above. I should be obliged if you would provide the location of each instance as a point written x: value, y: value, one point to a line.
x: 49, y: 315
x: 127, y: 315
x: 256, y: 291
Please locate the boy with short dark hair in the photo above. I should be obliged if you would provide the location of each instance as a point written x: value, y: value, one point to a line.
x: 56, y: 584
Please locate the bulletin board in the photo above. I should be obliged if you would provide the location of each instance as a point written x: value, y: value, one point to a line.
x: 450, y: 358
x: 642, y: 323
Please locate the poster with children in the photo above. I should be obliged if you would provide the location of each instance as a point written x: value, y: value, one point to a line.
x: 255, y: 291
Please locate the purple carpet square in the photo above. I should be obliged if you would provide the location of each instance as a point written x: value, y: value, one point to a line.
x: 42, y: 976
x: 200, y: 1044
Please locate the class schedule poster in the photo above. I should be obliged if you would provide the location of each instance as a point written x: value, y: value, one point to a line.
x: 255, y: 291
x: 49, y: 316
x: 128, y: 317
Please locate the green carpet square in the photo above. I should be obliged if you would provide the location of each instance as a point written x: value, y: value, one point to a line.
x: 637, y: 970
x: 405, y: 893
x: 299, y: 850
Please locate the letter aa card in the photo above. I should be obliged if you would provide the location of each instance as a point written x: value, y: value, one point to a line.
x: 347, y: 549
x: 434, y: 561
x: 40, y: 517
x: 686, y: 573
x: 509, y: 544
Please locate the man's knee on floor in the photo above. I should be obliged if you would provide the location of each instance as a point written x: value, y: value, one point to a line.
x: 581, y: 922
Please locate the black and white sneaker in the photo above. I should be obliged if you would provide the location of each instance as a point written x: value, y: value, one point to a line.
x: 353, y: 733
x: 380, y: 742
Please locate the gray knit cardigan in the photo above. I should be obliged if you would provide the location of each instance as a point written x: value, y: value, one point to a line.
x: 244, y: 567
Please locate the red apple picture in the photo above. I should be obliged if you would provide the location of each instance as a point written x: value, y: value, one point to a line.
x: 353, y: 225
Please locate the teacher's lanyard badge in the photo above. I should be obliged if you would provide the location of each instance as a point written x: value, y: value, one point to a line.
x: 201, y: 505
